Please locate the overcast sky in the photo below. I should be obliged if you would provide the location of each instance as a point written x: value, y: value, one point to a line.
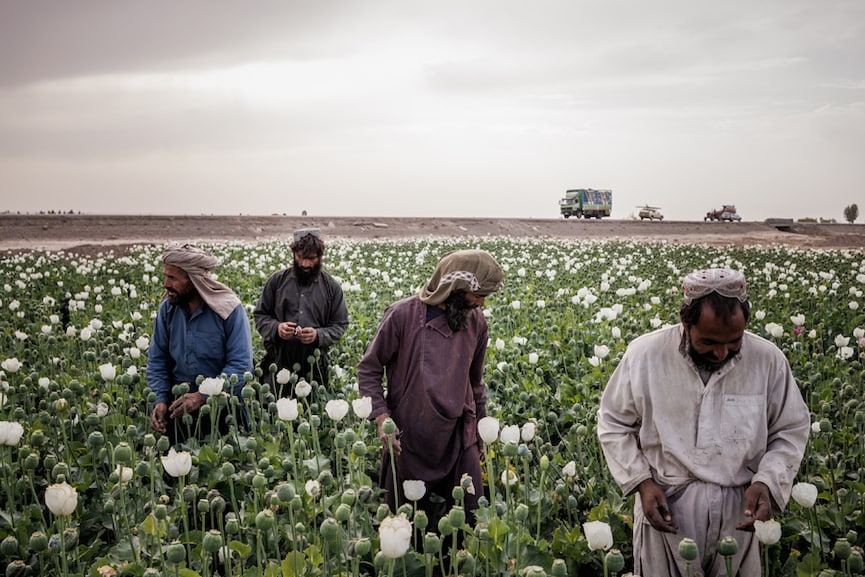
x: 462, y: 108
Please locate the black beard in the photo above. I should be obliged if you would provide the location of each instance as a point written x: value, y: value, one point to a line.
x: 704, y: 361
x: 181, y: 299
x: 457, y: 311
x: 307, y: 276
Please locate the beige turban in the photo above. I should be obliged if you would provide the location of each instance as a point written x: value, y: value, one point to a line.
x: 726, y: 282
x: 197, y: 264
x: 472, y: 271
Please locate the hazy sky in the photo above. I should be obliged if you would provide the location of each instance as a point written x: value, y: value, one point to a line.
x: 445, y: 108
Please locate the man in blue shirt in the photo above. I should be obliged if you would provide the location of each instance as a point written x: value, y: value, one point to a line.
x: 201, y: 330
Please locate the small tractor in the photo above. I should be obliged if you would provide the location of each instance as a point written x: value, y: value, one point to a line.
x: 727, y: 212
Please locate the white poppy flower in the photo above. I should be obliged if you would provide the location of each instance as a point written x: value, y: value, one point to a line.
x: 527, y: 433
x: 767, y: 532
x: 283, y: 376
x: 336, y: 409
x: 302, y: 388
x: 598, y: 534
x: 488, y: 429
x: 107, y: 371
x: 510, y: 434
x: 414, y: 490
x: 61, y: 498
x: 395, y: 536
x: 570, y: 470
x: 509, y: 477
x: 312, y: 488
x: 177, y: 463
x: 286, y: 409
x: 362, y: 407
x: 805, y: 494
x: 10, y: 432
x: 211, y: 386
x: 12, y: 365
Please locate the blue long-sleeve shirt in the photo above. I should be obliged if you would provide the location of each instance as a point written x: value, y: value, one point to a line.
x: 202, y: 344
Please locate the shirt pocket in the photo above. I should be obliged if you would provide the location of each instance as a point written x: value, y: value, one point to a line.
x: 211, y: 347
x: 742, y: 416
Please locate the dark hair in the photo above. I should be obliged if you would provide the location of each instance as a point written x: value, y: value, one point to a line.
x: 723, y: 307
x: 308, y: 246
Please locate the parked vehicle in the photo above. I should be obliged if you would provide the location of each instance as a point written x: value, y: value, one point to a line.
x: 586, y: 203
x: 650, y: 212
x: 728, y: 213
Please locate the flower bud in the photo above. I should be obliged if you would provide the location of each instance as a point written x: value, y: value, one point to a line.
x: 688, y: 549
x: 842, y: 549
x: 432, y: 544
x: 615, y: 561
x: 728, y: 546
x: 212, y: 541
x: 176, y: 553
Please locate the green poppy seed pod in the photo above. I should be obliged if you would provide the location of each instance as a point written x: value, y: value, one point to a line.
x: 362, y: 547
x: 204, y: 410
x: 818, y: 482
x: 342, y: 513
x: 303, y: 428
x: 125, y: 379
x: 176, y: 553
x: 212, y: 541
x: 381, y: 512
x: 37, y: 439
x: 217, y: 504
x: 108, y: 506
x: 160, y: 511
x: 825, y: 426
x: 189, y: 493
x: 259, y: 481
x: 232, y: 524
x: 432, y: 544
x: 483, y: 532
x: 226, y: 452
x: 534, y: 571
x: 247, y: 392
x: 162, y: 444
x: 559, y: 568
x: 325, y: 478
x: 285, y: 492
x: 91, y: 420
x: 688, y: 549
x: 405, y: 509
x: 263, y: 464
x: 510, y: 450
x: 38, y: 541
x: 300, y: 528
x: 523, y: 450
x: 728, y: 546
x: 70, y: 537
x: 545, y: 462
x: 123, y: 453
x: 388, y: 426
x: 95, y: 439
x: 364, y: 493
x: 17, y: 568
x: 465, y: 562
x: 350, y: 436
x: 358, y: 449
x: 856, y: 563
x: 227, y: 469
x: 445, y: 526
x: 142, y: 469
x: 522, y: 512
x: 296, y: 503
x: 329, y: 529
x: 380, y: 563
x: 349, y: 496
x: 264, y: 520
x: 615, y: 560
x: 31, y: 461
x: 203, y: 505
x: 852, y: 535
x: 273, y: 368
x: 457, y: 516
x: 842, y: 549
x: 340, y: 441
x: 149, y: 440
x: 54, y: 545
x: 9, y: 546
x: 458, y: 493
x: 421, y: 521
x: 60, y: 470
x: 582, y: 430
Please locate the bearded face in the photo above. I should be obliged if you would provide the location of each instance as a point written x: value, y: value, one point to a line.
x: 457, y: 311
x: 306, y: 268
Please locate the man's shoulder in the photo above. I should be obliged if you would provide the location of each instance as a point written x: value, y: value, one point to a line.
x: 763, y: 346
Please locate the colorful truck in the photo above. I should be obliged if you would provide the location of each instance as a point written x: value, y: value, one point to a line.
x: 586, y: 203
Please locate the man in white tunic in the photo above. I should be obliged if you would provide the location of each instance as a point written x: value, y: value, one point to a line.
x: 705, y: 421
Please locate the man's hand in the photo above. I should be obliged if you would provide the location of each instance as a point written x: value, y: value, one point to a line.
x: 758, y: 506
x: 159, y: 417
x: 655, y: 507
x: 187, y: 403
x: 287, y: 330
x: 307, y: 335
x: 394, y: 437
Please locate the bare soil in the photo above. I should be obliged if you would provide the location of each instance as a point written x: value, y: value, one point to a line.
x: 87, y: 233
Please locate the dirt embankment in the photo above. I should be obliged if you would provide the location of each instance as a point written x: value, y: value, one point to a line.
x: 84, y: 232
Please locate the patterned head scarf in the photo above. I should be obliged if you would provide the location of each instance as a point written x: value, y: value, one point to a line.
x: 472, y: 271
x: 198, y: 263
x: 726, y: 282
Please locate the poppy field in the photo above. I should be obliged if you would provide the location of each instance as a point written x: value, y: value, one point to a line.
x: 89, y: 489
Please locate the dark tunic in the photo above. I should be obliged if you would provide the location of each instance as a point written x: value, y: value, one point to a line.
x: 435, y: 394
x: 320, y: 304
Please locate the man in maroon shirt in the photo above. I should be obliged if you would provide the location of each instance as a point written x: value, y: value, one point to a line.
x: 431, y: 348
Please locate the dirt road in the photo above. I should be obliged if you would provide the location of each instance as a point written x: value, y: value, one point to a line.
x: 88, y: 232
